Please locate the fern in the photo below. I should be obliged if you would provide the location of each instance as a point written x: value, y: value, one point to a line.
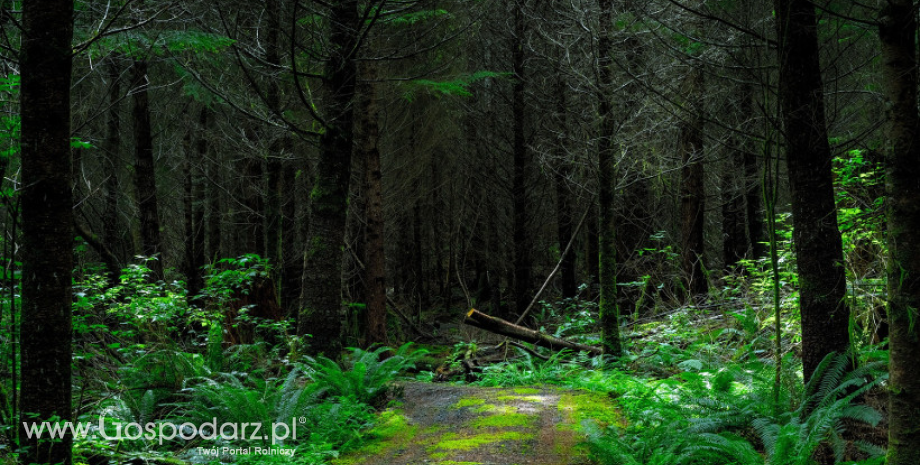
x: 640, y: 446
x: 793, y: 437
x: 364, y: 376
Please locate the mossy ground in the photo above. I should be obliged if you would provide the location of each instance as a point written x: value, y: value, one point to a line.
x: 462, y: 425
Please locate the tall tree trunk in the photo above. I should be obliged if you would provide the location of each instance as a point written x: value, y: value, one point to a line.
x: 321, y: 314
x: 252, y: 216
x: 274, y: 218
x: 898, y: 30
x: 753, y: 192
x: 195, y: 199
x: 144, y: 170
x: 47, y: 221
x: 734, y: 237
x: 609, y: 311
x: 692, y: 194
x: 592, y: 252
x: 111, y: 147
x: 418, y: 270
x: 367, y: 138
x: 214, y: 215
x: 564, y: 202
x: 816, y: 236
x: 291, y: 238
x: 523, y: 263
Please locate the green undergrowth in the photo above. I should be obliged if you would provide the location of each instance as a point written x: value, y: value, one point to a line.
x: 702, y: 388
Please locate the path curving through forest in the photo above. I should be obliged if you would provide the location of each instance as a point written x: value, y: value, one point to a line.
x: 442, y: 424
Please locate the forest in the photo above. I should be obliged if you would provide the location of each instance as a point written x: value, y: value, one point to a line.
x: 459, y: 232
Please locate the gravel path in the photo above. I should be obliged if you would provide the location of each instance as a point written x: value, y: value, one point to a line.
x: 442, y: 424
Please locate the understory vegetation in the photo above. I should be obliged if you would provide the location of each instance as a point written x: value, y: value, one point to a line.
x: 696, y: 384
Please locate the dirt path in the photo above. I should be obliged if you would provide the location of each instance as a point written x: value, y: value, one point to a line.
x: 440, y: 424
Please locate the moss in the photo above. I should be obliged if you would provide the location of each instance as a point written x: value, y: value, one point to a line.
x: 455, y: 442
x: 391, y: 431
x: 578, y: 407
x: 525, y: 391
x: 469, y: 402
x: 491, y: 408
x: 504, y: 420
x: 454, y: 462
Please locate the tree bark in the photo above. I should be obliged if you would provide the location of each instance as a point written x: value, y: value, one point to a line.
x: 692, y: 193
x: 564, y: 202
x: 367, y: 139
x: 897, y: 31
x: 252, y: 216
x: 144, y: 170
x: 321, y: 315
x: 609, y: 311
x: 195, y: 217
x: 523, y: 263
x: 734, y: 237
x: 214, y: 214
x: 274, y: 220
x: 47, y: 220
x: 111, y: 147
x: 753, y: 192
x: 822, y: 278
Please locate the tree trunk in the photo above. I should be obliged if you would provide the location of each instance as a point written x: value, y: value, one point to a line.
x: 195, y: 217
x: 274, y: 219
x: 47, y: 221
x: 520, y: 234
x: 609, y: 311
x: 418, y: 273
x: 144, y: 171
x: 734, y: 237
x: 822, y: 279
x: 564, y: 202
x: 506, y: 328
x: 214, y: 215
x: 321, y: 315
x: 367, y: 138
x: 753, y: 193
x: 897, y: 30
x: 252, y: 216
x: 111, y: 147
x: 692, y: 194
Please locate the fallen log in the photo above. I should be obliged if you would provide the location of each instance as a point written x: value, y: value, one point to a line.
x: 495, y: 325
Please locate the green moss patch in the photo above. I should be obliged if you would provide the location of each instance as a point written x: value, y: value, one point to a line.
x: 526, y: 391
x: 497, y: 409
x: 455, y: 442
x: 578, y: 407
x: 391, y: 431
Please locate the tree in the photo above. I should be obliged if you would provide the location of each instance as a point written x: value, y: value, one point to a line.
x: 321, y: 313
x: 367, y: 140
x: 606, y: 178
x: 822, y: 279
x: 144, y: 167
x: 898, y: 32
x: 47, y: 217
x: 523, y: 263
x: 692, y: 198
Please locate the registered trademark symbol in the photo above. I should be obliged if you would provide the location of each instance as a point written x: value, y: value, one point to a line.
x: 302, y: 420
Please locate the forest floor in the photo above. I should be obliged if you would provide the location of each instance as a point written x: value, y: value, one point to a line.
x: 443, y: 424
